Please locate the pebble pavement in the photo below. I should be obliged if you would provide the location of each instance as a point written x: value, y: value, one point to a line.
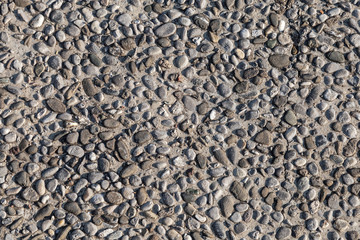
x: 182, y: 119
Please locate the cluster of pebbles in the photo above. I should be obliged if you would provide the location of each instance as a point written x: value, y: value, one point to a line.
x: 184, y: 119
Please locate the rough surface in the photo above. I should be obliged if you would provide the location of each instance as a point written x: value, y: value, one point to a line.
x: 146, y: 120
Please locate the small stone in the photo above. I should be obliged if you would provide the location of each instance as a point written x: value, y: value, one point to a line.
x: 189, y: 103
x: 309, y: 142
x: 29, y: 194
x: 290, y: 118
x: 114, y: 198
x: 95, y: 60
x: 111, y: 123
x: 219, y: 229
x: 250, y: 73
x: 56, y: 105
x: 355, y: 40
x: 221, y: 157
x: 124, y: 19
x: 279, y: 60
x: 181, y: 61
x: 165, y: 30
x: 89, y: 87
x: 72, y: 207
x: 129, y: 171
x: 142, y: 137
x: 37, y: 21
x: 227, y: 206
x: 122, y: 150
x: 263, y: 137
x: 55, y: 62
x: 341, y: 225
x: 128, y: 43
x: 283, y: 233
x: 201, y: 161
x: 63, y: 233
x: 44, y: 212
x: 336, y: 56
x: 141, y: 196
x: 274, y: 19
x: 76, y: 151
x: 239, y: 191
x: 22, y: 3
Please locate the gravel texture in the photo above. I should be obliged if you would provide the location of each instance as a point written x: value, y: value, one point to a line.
x: 182, y: 119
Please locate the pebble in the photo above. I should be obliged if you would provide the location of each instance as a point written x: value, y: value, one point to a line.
x: 279, y: 60
x: 56, y: 105
x: 165, y: 30
x: 239, y: 191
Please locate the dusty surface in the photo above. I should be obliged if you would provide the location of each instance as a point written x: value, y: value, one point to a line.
x: 179, y: 119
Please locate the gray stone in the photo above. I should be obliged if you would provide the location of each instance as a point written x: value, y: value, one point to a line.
x: 89, y: 87
x: 263, y: 137
x: 239, y: 191
x: 129, y: 171
x: 283, y: 233
x: 44, y: 212
x: 221, y: 157
x: 56, y: 105
x: 142, y: 137
x: 279, y: 60
x: 72, y: 207
x: 290, y: 118
x: 111, y: 123
x: 226, y: 205
x: 219, y: 230
x: 165, y: 30
x: 75, y: 151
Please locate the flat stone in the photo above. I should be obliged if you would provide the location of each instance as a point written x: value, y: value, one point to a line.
x: 94, y: 59
x: 72, y: 207
x: 181, y: 61
x: 141, y: 196
x: 336, y: 56
x: 129, y: 171
x: 128, y: 43
x: 226, y: 205
x: 189, y: 103
x: 263, y: 137
x: 201, y: 161
x: 165, y: 30
x: 124, y: 19
x: 111, y: 123
x: 30, y: 194
x: 340, y: 224
x: 309, y: 142
x: 274, y: 19
x: 283, y: 233
x: 142, y: 137
x: 89, y: 87
x: 75, y: 151
x: 290, y: 117
x: 279, y: 60
x: 355, y: 40
x: 37, y: 21
x: 239, y: 191
x: 44, y: 212
x: 56, y: 105
x: 22, y: 3
x: 114, y: 198
x: 221, y: 157
x: 123, y: 150
x: 219, y: 230
x: 63, y: 233
x: 251, y: 72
